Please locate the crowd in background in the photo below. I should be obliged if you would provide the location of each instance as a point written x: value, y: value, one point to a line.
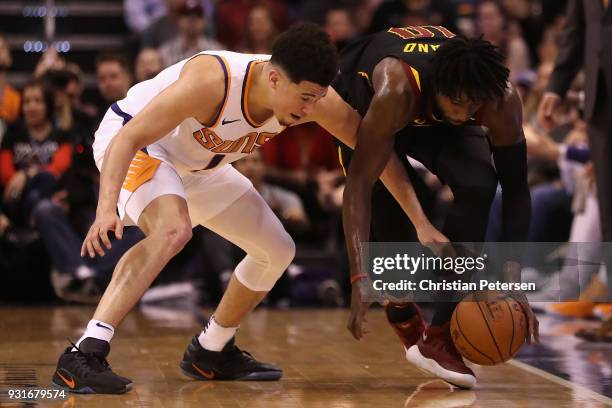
x: 49, y: 183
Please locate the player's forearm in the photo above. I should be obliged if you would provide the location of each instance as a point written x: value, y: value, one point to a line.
x: 396, y: 180
x: 117, y: 160
x: 511, y: 164
x: 356, y: 221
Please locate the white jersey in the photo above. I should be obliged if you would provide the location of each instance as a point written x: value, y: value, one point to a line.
x: 193, y: 147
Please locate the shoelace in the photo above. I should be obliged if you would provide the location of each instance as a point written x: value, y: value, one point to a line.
x: 245, y: 353
x: 93, y: 362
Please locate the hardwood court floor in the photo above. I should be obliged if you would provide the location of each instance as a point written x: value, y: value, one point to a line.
x: 324, y: 367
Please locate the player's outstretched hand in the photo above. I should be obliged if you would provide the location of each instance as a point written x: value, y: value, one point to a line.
x: 359, y: 308
x: 430, y: 237
x: 533, y: 325
x: 98, y: 234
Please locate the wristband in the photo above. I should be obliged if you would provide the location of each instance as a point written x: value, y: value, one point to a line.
x: 358, y: 277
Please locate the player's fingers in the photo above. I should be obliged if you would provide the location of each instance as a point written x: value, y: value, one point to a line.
x: 531, y: 330
x: 90, y: 249
x: 118, y: 229
x: 351, y: 326
x: 356, y: 330
x: 95, y: 242
x: 360, y: 331
x: 537, y: 331
x: 84, y: 245
x: 104, y: 237
x: 88, y: 245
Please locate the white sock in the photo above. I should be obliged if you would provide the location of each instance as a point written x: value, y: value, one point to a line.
x: 214, y: 336
x: 98, y: 330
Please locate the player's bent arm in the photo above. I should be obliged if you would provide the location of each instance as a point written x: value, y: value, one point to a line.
x: 342, y: 121
x: 390, y: 109
x: 198, y: 93
x: 505, y: 126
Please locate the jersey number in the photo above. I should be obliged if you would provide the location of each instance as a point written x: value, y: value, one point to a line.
x: 412, y: 32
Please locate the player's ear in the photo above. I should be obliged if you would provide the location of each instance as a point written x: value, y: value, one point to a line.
x: 274, y: 78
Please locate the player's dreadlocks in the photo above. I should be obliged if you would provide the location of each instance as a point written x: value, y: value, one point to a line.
x: 469, y: 67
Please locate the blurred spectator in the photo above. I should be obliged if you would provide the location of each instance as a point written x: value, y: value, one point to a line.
x: 548, y: 48
x: 340, y: 26
x: 65, y: 86
x: 401, y: 13
x: 62, y: 222
x: 164, y: 28
x: 33, y: 155
x: 494, y: 25
x: 9, y: 97
x: 532, y: 97
x: 167, y: 27
x: 75, y: 90
x: 261, y: 30
x: 528, y: 16
x: 50, y: 59
x: 551, y: 9
x: 114, y: 79
x: 140, y: 14
x: 148, y: 64
x: 285, y: 204
x: 190, y: 38
x: 582, y: 46
x: 232, y: 18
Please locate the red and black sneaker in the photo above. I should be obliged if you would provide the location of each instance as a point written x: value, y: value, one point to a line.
x: 408, y: 331
x: 436, y: 354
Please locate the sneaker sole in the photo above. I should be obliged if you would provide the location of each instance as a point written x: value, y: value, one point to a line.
x: 89, y: 390
x: 256, y: 376
x: 430, y: 366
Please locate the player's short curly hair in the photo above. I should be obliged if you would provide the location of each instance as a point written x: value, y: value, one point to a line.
x: 471, y: 67
x: 306, y: 53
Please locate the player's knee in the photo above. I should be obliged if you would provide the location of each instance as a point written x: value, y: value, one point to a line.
x: 173, y: 236
x: 260, y: 270
x: 283, y: 251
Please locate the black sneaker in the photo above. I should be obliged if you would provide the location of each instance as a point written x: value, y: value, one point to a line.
x: 87, y: 371
x: 231, y: 363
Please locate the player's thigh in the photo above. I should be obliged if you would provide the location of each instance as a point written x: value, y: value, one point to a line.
x: 157, y: 202
x: 250, y: 224
x: 211, y: 193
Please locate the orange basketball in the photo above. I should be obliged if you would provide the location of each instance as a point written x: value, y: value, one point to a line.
x: 488, y: 328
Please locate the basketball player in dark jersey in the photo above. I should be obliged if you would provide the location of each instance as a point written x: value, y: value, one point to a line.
x: 428, y: 94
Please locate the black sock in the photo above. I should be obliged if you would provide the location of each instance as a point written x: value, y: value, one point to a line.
x: 443, y: 311
x: 400, y: 312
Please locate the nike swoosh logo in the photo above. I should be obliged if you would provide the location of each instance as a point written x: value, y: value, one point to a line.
x: 69, y: 382
x: 210, y: 375
x: 225, y: 121
x: 103, y: 326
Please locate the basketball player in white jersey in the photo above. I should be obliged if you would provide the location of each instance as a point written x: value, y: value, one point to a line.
x: 164, y: 154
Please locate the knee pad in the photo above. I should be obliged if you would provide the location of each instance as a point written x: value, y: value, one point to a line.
x: 260, y: 270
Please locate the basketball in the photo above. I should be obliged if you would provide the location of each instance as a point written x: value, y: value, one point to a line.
x: 488, y: 329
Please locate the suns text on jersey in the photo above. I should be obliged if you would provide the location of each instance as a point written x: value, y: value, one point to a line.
x: 208, y: 139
